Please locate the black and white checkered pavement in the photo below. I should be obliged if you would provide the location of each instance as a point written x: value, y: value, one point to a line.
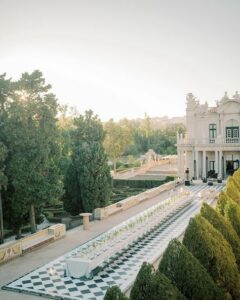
x: 50, y: 281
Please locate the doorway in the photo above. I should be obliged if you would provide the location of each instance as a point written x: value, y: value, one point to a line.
x: 231, y: 166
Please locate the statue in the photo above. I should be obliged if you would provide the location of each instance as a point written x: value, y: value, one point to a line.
x: 236, y: 96
x: 187, y: 181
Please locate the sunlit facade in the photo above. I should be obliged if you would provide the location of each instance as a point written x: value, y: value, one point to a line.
x: 211, y: 145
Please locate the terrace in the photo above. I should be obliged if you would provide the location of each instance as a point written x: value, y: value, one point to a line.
x: 122, y: 266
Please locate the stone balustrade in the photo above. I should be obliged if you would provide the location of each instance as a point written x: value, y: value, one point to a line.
x: 14, y: 249
x: 10, y: 250
x: 105, y: 212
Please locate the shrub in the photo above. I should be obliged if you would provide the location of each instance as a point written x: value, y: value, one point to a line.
x: 236, y: 177
x: 114, y: 293
x: 187, y: 274
x: 142, y: 288
x: 232, y: 214
x: 141, y: 183
x: 223, y: 226
x: 209, y: 246
x: 223, y: 198
x: 232, y: 189
x: 153, y: 286
x: 164, y: 289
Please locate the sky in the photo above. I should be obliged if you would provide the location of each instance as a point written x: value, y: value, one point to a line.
x: 124, y: 58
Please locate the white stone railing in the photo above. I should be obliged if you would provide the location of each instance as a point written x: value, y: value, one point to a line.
x: 199, y: 142
x: 13, y: 249
x: 105, y: 212
x: 232, y: 140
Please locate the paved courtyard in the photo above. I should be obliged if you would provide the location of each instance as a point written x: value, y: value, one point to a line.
x: 42, y: 271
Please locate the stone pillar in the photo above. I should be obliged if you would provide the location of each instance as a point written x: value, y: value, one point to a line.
x: 204, y: 164
x: 85, y: 220
x: 182, y: 164
x: 216, y: 161
x: 197, y: 167
x: 178, y: 162
x: 220, y: 164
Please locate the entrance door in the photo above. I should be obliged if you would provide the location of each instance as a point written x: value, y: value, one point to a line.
x: 231, y: 166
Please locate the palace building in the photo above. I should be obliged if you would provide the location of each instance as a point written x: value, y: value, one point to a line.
x: 211, y: 145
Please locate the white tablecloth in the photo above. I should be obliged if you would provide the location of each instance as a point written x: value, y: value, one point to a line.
x: 77, y: 267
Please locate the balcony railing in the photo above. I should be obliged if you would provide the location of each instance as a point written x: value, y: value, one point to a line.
x: 232, y: 140
x: 218, y: 141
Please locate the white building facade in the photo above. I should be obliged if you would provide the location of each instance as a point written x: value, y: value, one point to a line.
x: 211, y: 145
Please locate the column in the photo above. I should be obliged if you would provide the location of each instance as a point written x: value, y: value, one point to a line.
x: 204, y: 164
x: 183, y: 164
x: 85, y: 220
x: 197, y: 169
x: 216, y: 161
x: 220, y: 164
x: 178, y: 162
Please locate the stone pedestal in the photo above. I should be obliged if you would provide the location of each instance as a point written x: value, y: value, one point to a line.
x: 85, y: 220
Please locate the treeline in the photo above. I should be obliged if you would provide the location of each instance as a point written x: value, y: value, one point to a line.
x: 49, y: 153
x: 205, y: 265
x: 129, y: 137
x: 45, y: 157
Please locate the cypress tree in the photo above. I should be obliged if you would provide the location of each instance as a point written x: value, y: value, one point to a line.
x: 187, y: 274
x: 88, y: 182
x: 114, y: 293
x: 223, y: 226
x: 165, y: 290
x: 151, y: 285
x: 232, y: 190
x: 142, y: 288
x: 209, y: 246
x: 222, y: 201
x: 236, y: 178
x: 232, y: 214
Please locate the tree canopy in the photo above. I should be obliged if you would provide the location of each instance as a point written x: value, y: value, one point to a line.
x: 31, y: 137
x: 223, y: 226
x: 232, y: 189
x: 209, y: 246
x: 187, y: 274
x: 114, y: 293
x: 88, y: 181
x: 151, y: 285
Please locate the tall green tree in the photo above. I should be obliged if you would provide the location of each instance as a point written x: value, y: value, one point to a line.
x: 3, y: 184
x: 114, y: 293
x: 223, y: 198
x: 230, y: 210
x: 88, y: 182
x: 118, y: 137
x: 236, y: 177
x: 32, y: 140
x: 223, y: 226
x: 187, y: 274
x: 5, y: 92
x: 232, y: 190
x: 209, y: 246
x: 151, y: 285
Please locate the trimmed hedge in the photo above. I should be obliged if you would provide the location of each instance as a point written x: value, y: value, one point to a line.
x: 187, y: 274
x: 232, y: 189
x: 141, y: 183
x: 223, y: 226
x: 209, y: 246
x: 114, y: 293
x: 151, y: 285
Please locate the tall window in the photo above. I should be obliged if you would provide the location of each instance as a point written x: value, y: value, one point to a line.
x: 232, y: 132
x: 211, y: 165
x: 212, y: 131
